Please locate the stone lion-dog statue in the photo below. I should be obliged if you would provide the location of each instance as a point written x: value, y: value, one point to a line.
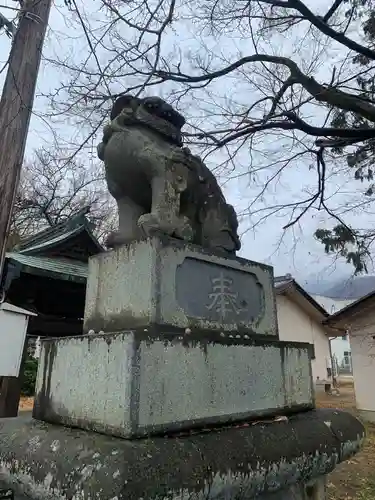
x: 159, y: 186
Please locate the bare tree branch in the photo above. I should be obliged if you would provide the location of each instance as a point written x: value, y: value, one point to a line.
x: 330, y: 12
x: 268, y: 87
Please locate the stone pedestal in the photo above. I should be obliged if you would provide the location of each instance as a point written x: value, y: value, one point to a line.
x: 190, y: 341
x: 194, y: 364
x: 168, y: 283
x: 284, y: 460
x: 131, y: 385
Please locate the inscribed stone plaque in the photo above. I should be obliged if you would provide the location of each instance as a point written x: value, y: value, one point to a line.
x: 159, y: 283
x: 218, y: 293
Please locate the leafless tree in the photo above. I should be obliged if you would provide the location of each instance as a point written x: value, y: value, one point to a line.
x: 53, y: 188
x: 274, y: 85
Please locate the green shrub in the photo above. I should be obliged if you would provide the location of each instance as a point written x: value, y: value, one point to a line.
x: 30, y: 369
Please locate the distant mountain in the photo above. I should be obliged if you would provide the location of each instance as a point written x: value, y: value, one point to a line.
x: 319, y: 286
x: 351, y: 288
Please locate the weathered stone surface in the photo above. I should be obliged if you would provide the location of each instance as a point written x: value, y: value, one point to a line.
x: 367, y: 415
x: 48, y: 461
x: 159, y: 186
x: 130, y: 386
x: 312, y: 490
x: 169, y: 283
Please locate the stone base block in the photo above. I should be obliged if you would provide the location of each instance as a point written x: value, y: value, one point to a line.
x: 285, y: 460
x: 128, y: 386
x: 166, y: 282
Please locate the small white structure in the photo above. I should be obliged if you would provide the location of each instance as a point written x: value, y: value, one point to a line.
x: 340, y: 346
x: 300, y: 318
x: 358, y: 319
x: 13, y: 327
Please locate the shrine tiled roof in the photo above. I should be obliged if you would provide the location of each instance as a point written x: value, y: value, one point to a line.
x: 287, y: 285
x: 282, y: 281
x: 60, y: 233
x: 51, y: 241
x: 58, y: 268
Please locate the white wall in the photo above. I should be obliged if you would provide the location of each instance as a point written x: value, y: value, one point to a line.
x: 296, y: 325
x: 363, y: 359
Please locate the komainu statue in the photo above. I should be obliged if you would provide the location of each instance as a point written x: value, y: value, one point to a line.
x: 159, y: 186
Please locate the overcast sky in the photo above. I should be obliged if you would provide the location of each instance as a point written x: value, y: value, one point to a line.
x: 294, y: 252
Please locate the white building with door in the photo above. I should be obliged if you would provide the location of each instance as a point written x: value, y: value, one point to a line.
x: 340, y: 346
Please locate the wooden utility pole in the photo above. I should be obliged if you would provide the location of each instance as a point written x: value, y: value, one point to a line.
x: 15, y: 109
x: 16, y: 104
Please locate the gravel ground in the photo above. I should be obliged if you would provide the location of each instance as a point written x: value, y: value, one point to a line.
x: 18, y: 497
x: 355, y: 478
